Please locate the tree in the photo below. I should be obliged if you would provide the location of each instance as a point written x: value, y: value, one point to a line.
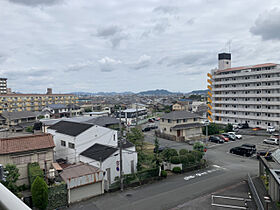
x: 136, y: 136
x: 183, y: 152
x: 39, y: 191
x: 198, y: 146
x: 213, y: 128
x: 156, y: 153
x: 229, y: 128
x: 12, y: 175
x: 168, y: 153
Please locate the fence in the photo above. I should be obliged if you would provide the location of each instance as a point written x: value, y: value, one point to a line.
x: 255, y: 193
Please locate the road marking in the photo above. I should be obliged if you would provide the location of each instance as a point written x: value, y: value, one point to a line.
x: 217, y: 168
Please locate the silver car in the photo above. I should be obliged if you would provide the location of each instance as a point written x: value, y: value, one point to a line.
x: 271, y: 141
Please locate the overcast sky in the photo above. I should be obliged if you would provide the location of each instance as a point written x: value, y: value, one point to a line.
x: 129, y: 45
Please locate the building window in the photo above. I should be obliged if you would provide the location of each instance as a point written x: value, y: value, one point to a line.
x: 169, y: 121
x: 162, y: 120
x: 71, y: 145
x: 63, y: 143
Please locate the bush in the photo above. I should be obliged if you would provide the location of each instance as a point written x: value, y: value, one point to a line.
x: 175, y: 160
x: 197, y: 154
x: 213, y: 128
x: 29, y: 129
x: 191, y: 158
x: 168, y: 153
x: 229, y: 128
x: 34, y: 170
x: 183, y: 152
x: 198, y: 146
x: 39, y: 191
x: 184, y: 159
x: 163, y: 174
x: 176, y: 170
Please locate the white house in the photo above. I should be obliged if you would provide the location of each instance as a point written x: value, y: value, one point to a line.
x: 107, y: 158
x: 72, y: 138
x: 129, y: 116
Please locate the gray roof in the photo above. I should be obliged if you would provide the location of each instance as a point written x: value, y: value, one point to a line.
x: 186, y: 126
x: 18, y: 115
x: 57, y: 106
x: 176, y: 115
x: 99, y: 152
x: 70, y: 128
x: 103, y: 121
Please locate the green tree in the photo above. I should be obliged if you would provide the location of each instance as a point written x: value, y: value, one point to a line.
x: 168, y: 153
x: 229, y: 128
x: 198, y: 146
x: 12, y: 175
x: 39, y: 191
x: 156, y: 153
x: 136, y: 136
x: 213, y: 128
x: 183, y: 152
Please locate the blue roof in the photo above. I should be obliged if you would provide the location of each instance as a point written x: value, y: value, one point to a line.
x: 185, y: 99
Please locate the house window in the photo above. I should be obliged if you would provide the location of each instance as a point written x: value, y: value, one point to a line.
x: 169, y: 121
x: 71, y: 145
x: 194, y: 119
x: 184, y: 120
x: 63, y: 143
x: 178, y: 121
x: 162, y: 120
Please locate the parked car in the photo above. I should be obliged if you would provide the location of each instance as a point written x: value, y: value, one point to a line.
x: 265, y: 154
x: 146, y: 129
x: 160, y: 149
x: 151, y: 120
x: 242, y: 125
x: 271, y: 141
x: 256, y: 129
x: 224, y: 138
x: 275, y: 135
x: 243, y: 151
x: 237, y: 136
x: 231, y: 137
x: 270, y: 129
x: 152, y: 126
x: 251, y: 146
x: 216, y: 139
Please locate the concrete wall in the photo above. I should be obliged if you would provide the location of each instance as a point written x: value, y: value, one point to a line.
x: 21, y: 161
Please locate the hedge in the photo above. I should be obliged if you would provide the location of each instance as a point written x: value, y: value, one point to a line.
x: 34, y: 170
x: 163, y: 174
x: 57, y: 196
x: 183, y: 152
x: 176, y: 170
x: 175, y: 160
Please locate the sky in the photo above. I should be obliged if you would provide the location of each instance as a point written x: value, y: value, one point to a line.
x: 129, y: 45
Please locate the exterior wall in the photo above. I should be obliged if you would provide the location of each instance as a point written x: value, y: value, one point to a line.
x: 33, y: 102
x: 22, y: 160
x: 250, y: 95
x: 129, y: 155
x: 93, y: 135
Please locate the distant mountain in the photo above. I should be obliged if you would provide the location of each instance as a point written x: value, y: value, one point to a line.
x: 157, y: 92
x: 101, y: 93
x: 198, y: 92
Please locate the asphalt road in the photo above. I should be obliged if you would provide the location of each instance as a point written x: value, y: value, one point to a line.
x: 176, y: 192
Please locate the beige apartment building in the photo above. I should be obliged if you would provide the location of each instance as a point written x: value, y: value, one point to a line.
x: 245, y: 94
x: 33, y: 102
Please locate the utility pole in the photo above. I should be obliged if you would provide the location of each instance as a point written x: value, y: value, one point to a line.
x: 136, y: 114
x: 120, y: 145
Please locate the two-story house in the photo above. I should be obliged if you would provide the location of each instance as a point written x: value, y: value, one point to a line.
x: 27, y: 149
x: 72, y: 138
x: 182, y: 105
x: 181, y: 124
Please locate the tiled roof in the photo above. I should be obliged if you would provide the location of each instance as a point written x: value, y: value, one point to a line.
x: 176, y: 115
x: 99, y: 152
x: 57, y: 106
x: 70, y: 128
x: 78, y: 170
x: 26, y: 143
x: 248, y: 67
x: 103, y: 121
x: 18, y: 115
x: 186, y: 126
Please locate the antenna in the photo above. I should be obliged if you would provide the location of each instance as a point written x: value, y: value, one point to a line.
x: 229, y: 45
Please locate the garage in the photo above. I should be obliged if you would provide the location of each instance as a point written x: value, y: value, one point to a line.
x: 83, y: 181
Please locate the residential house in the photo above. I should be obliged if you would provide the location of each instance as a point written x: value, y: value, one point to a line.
x: 181, y: 124
x: 96, y: 114
x: 182, y: 105
x: 17, y: 121
x: 27, y: 149
x: 196, y: 104
x: 83, y: 181
x: 63, y: 110
x: 108, y: 159
x: 72, y: 138
x: 130, y: 116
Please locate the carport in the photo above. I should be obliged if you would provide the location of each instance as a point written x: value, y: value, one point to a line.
x: 83, y: 181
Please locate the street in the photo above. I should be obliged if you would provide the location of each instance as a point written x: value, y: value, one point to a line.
x: 178, y: 191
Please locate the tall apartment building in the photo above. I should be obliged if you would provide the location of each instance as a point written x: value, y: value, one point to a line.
x: 245, y: 94
x: 3, y: 85
x: 33, y: 102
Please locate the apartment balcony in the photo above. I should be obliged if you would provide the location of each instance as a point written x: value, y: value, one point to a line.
x: 36, y: 108
x: 246, y: 81
x: 50, y: 99
x: 247, y: 117
x: 10, y: 100
x: 261, y: 95
x: 251, y: 110
x: 28, y: 109
x: 19, y: 105
x: 261, y: 87
x: 28, y: 99
x: 43, y: 104
x: 19, y: 100
x: 36, y: 104
x: 19, y: 110
x: 241, y: 74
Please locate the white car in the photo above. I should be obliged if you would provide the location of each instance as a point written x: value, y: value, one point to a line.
x: 237, y: 136
x: 270, y: 129
x: 271, y: 141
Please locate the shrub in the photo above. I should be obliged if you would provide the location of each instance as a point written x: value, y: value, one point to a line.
x: 29, y: 129
x: 11, y: 178
x: 168, y: 153
x: 191, y: 158
x: 176, y: 170
x: 163, y: 174
x: 229, y: 128
x: 34, y: 170
x: 197, y: 154
x: 184, y: 159
x: 39, y: 191
x: 175, y: 160
x: 183, y: 152
x: 198, y: 146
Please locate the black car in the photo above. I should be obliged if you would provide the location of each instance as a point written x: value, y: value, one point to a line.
x: 216, y: 139
x: 160, y: 149
x: 146, y: 129
x: 230, y: 137
x: 251, y: 146
x: 243, y: 151
x: 265, y: 154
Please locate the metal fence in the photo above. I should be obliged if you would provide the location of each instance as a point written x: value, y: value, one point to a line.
x: 255, y: 193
